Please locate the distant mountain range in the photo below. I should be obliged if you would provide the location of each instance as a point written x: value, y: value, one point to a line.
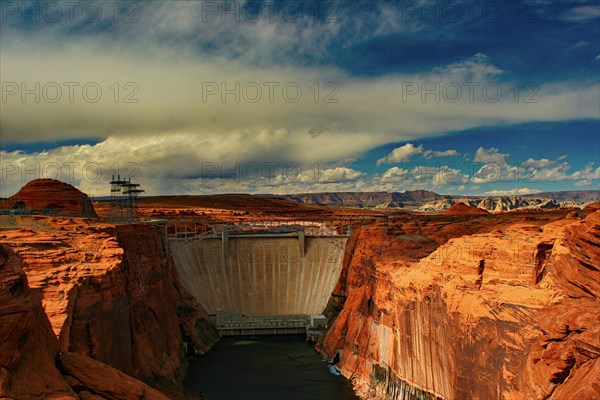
x: 579, y: 196
x: 426, y: 200
x: 408, y: 199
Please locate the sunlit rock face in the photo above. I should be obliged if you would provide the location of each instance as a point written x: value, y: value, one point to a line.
x: 28, y: 347
x: 106, y: 293
x: 472, y: 306
x: 564, y: 359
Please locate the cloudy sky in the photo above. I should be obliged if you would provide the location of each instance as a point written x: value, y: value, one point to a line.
x: 191, y: 97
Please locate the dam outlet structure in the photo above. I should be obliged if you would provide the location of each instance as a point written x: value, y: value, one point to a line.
x: 260, y: 283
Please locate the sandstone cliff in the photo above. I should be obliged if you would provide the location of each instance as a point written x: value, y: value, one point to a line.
x: 110, y: 293
x: 27, y: 345
x: 472, y: 307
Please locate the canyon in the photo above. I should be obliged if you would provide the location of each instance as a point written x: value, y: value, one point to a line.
x: 455, y: 305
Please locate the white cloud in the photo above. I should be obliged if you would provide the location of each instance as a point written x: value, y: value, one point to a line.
x: 586, y: 173
x: 512, y: 192
x: 173, y: 97
x: 475, y: 69
x: 401, y: 154
x: 188, y: 164
x: 181, y: 163
x: 175, y: 128
x: 490, y: 156
x: 446, y: 153
x: 449, y: 176
x: 426, y: 176
x: 333, y: 174
x: 406, y: 152
x: 582, y: 13
x: 553, y: 171
x: 395, y: 173
x: 494, y: 172
x: 541, y: 163
x: 497, y: 169
x: 585, y: 182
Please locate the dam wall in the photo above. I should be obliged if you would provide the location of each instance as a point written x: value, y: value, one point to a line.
x: 261, y: 274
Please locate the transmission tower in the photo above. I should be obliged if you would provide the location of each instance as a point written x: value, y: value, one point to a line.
x: 123, y: 196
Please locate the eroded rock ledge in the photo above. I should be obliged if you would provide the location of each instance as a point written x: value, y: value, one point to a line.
x: 472, y: 307
x: 106, y: 297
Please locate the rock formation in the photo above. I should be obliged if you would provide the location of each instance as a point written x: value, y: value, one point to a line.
x: 28, y: 347
x: 481, y: 307
x: 109, y: 293
x: 564, y: 360
x: 592, y: 207
x: 49, y: 196
x: 464, y: 209
x: 89, y: 376
x: 437, y: 206
x: 510, y: 203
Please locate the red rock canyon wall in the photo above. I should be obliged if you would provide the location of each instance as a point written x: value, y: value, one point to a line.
x: 109, y: 294
x: 472, y: 307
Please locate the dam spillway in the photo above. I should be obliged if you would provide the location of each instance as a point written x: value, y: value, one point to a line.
x: 260, y: 274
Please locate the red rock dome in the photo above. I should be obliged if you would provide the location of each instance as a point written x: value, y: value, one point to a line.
x: 49, y: 196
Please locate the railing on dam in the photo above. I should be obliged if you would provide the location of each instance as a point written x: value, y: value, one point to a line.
x: 238, y: 324
x: 314, y: 227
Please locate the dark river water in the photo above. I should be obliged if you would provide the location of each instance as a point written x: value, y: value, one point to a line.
x: 264, y: 368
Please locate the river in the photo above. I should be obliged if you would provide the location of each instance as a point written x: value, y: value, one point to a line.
x: 264, y: 368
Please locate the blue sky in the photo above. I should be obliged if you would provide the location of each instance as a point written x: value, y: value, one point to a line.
x: 187, y: 97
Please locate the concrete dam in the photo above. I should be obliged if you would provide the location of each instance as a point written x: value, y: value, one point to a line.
x: 276, y: 278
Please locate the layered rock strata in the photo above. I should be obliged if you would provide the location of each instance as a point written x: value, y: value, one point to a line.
x: 508, y: 310
x: 107, y: 293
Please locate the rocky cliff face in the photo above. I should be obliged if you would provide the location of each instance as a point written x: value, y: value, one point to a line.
x: 28, y: 347
x: 509, y: 203
x: 472, y: 307
x: 500, y: 204
x: 564, y: 360
x: 110, y: 293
